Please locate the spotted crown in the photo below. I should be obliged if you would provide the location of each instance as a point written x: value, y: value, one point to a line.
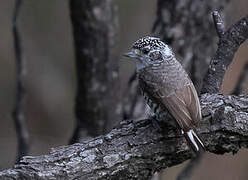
x: 149, y: 41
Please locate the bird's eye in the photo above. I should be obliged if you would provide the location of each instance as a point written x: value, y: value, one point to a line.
x: 145, y: 50
x: 155, y: 55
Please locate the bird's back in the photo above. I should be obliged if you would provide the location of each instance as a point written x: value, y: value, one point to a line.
x: 166, y: 77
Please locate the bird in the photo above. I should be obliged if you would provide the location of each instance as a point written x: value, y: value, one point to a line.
x: 166, y: 86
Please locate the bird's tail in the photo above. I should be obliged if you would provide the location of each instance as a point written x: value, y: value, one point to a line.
x: 194, y: 141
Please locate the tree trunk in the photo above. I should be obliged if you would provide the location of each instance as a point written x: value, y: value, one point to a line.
x: 97, y: 100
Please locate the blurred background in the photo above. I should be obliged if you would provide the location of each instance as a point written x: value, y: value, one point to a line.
x: 50, y: 79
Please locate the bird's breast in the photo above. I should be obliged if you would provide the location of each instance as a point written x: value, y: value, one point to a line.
x: 158, y: 111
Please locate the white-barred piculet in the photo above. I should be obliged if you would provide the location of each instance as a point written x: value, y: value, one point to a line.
x: 166, y: 86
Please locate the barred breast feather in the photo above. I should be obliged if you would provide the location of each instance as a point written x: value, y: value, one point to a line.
x: 169, y: 87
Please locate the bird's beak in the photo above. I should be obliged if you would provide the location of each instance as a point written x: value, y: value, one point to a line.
x: 130, y: 54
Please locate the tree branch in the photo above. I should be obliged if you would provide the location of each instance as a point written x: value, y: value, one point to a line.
x: 18, y: 116
x: 135, y: 150
x: 229, y: 43
x: 219, y: 23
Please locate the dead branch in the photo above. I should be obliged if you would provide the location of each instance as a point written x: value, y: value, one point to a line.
x: 135, y: 150
x: 218, y: 23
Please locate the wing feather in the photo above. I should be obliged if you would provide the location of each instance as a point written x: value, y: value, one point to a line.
x: 183, y: 103
x: 184, y: 106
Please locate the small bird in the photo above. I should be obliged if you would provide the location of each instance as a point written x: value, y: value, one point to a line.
x: 166, y: 86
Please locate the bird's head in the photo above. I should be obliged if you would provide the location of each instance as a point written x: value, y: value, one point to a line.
x: 149, y: 51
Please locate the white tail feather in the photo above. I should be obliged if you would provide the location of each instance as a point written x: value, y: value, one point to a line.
x: 198, y: 139
x: 194, y: 140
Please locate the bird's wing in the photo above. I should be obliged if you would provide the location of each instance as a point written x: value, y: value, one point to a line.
x: 183, y: 103
x: 184, y: 106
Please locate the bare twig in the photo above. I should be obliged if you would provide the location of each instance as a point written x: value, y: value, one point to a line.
x: 238, y: 88
x: 135, y: 150
x: 18, y: 116
x: 229, y: 43
x: 219, y: 23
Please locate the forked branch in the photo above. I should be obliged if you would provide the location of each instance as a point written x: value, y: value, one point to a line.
x: 229, y: 42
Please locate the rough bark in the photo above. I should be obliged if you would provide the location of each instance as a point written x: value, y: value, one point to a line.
x: 97, y: 102
x: 135, y: 150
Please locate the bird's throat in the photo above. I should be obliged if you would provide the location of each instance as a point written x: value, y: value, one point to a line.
x: 140, y: 65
